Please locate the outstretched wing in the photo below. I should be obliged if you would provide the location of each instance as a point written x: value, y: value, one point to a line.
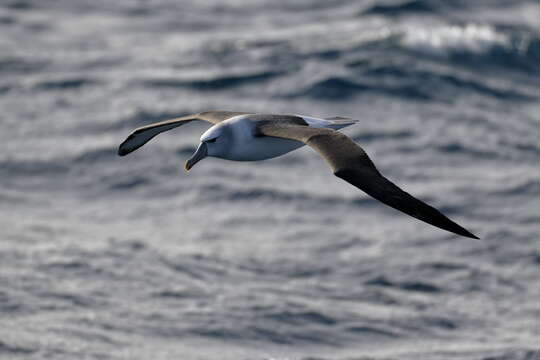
x: 142, y: 135
x: 351, y: 163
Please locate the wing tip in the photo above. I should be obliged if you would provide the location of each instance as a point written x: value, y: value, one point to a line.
x: 470, y: 235
x: 124, y: 149
x: 122, y: 152
x: 458, y: 230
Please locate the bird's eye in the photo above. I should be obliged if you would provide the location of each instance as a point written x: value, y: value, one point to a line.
x: 212, y: 140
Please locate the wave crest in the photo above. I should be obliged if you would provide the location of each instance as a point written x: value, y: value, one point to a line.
x: 451, y: 39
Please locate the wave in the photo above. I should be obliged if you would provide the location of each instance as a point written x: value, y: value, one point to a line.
x: 127, y: 123
x: 443, y: 266
x: 300, y: 317
x: 340, y: 88
x: 397, y: 8
x: 529, y: 187
x: 451, y: 39
x: 217, y: 82
x: 462, y: 149
x: 94, y: 155
x: 369, y: 330
x: 15, y: 350
x: 442, y: 84
x: 502, y: 150
x: 367, y: 136
x: 13, y: 64
x: 5, y: 19
x: 19, y: 5
x: 66, y: 83
x: 31, y: 167
x: 479, y: 45
x: 10, y: 305
x: 129, y: 184
x: 415, y: 286
x: 197, y: 266
x: 217, y: 192
x: 69, y: 299
x: 406, y: 7
x: 57, y: 165
x: 13, y: 198
x: 485, y: 49
x: 285, y: 269
x: 407, y: 84
x: 262, y: 333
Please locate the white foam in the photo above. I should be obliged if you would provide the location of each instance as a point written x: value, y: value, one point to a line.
x: 450, y: 39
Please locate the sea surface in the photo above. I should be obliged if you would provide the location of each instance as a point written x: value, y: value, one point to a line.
x: 103, y: 257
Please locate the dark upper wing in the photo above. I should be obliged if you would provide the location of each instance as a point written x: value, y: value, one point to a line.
x: 351, y: 163
x: 142, y: 135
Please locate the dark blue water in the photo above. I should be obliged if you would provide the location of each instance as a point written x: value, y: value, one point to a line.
x: 104, y: 257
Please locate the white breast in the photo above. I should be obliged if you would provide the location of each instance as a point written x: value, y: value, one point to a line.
x: 246, y: 147
x: 262, y: 148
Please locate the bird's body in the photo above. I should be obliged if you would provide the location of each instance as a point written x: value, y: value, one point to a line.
x: 242, y: 136
x: 247, y: 147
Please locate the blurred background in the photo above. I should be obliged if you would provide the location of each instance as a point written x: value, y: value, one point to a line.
x: 103, y: 257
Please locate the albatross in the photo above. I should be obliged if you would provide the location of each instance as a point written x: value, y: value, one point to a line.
x: 244, y: 136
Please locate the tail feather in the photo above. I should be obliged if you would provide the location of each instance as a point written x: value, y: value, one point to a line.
x: 338, y: 118
x: 336, y: 122
x: 339, y: 122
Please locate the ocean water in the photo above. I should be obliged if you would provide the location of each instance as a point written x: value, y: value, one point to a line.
x: 103, y: 257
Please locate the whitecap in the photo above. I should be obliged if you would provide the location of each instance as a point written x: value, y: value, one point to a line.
x: 447, y: 40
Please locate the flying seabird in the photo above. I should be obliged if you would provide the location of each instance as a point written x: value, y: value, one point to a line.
x: 245, y: 136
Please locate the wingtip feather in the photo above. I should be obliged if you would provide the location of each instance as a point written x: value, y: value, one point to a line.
x: 472, y: 236
x: 459, y: 230
x: 123, y: 150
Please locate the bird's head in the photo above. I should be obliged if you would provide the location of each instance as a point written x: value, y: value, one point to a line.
x: 214, y: 142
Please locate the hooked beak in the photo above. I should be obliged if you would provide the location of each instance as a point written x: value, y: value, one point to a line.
x: 200, y: 154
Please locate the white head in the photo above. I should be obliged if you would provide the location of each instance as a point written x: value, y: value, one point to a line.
x: 214, y: 142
